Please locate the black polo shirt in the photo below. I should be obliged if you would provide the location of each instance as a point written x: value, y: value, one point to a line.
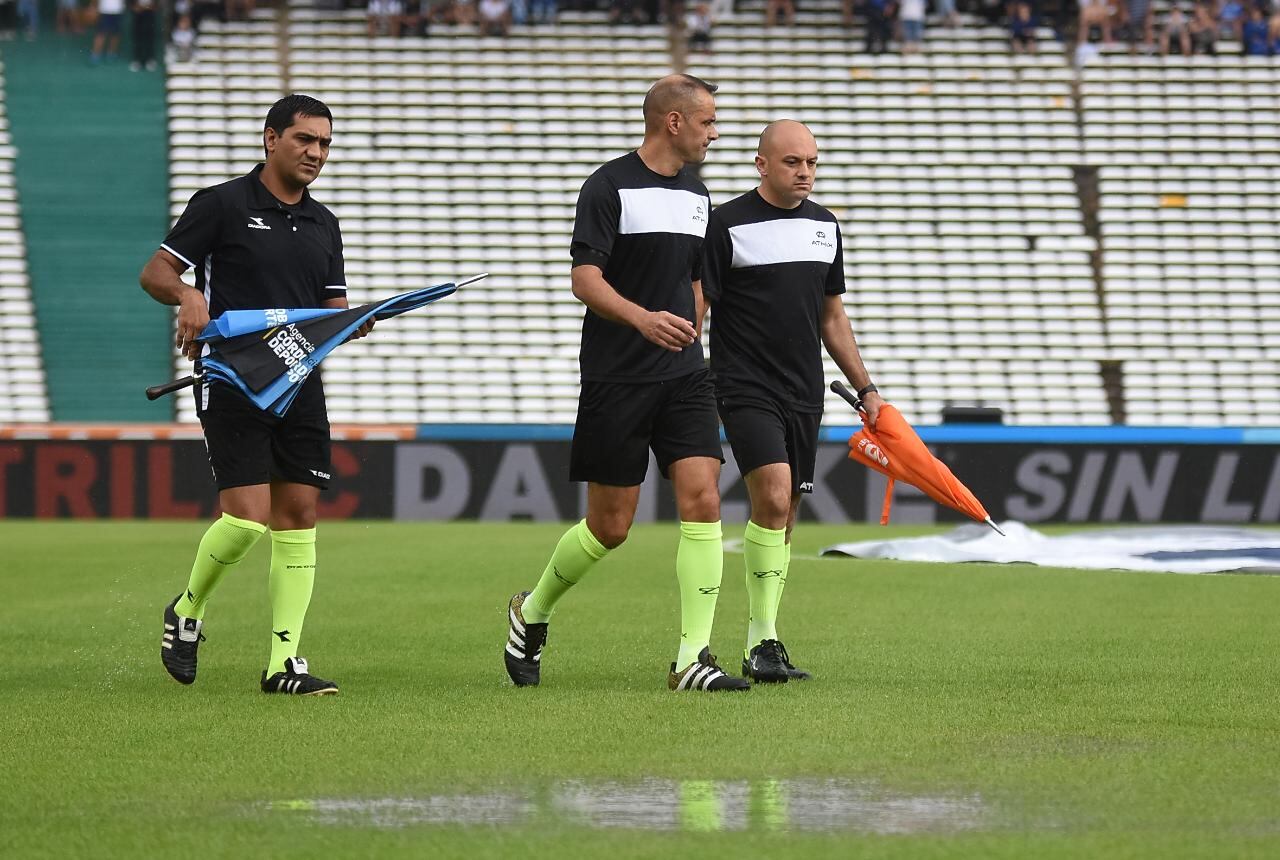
x: 251, y: 251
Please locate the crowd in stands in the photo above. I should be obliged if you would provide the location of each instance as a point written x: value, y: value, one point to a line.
x: 1183, y: 27
x: 1198, y: 27
x: 491, y: 17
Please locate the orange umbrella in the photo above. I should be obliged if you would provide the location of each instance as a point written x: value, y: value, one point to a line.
x: 893, y: 449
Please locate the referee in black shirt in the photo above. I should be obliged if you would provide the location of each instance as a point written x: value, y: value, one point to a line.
x: 637, y: 245
x: 257, y: 242
x: 773, y: 270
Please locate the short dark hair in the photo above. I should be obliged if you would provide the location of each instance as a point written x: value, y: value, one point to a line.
x: 674, y: 92
x: 282, y: 113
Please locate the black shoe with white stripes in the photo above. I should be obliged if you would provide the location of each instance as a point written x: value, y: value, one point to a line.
x: 764, y: 664
x: 296, y: 681
x: 523, y: 654
x: 792, y: 672
x: 704, y: 674
x: 182, y: 637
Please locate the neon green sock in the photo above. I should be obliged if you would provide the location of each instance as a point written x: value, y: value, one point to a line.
x: 227, y: 541
x: 293, y: 573
x: 786, y: 570
x: 576, y: 552
x: 765, y: 551
x: 699, y: 566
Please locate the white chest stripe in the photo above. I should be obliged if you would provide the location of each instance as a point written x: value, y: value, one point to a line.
x: 663, y: 210
x: 788, y: 240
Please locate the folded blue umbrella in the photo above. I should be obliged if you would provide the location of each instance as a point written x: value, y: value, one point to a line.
x: 268, y: 354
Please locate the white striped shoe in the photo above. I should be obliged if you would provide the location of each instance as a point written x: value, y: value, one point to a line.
x: 296, y: 681
x: 704, y: 674
x: 523, y: 654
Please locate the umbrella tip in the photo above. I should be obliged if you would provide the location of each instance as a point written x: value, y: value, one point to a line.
x: 472, y: 279
x: 991, y: 523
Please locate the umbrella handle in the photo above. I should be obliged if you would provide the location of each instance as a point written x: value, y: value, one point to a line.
x: 157, y: 391
x: 839, y: 388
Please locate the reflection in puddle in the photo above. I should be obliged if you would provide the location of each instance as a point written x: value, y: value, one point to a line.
x: 385, y: 812
x: 659, y: 804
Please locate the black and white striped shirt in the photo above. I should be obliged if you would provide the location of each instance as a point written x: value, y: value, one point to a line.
x: 645, y: 231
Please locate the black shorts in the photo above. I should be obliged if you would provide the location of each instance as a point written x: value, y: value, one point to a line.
x: 762, y: 430
x: 618, y: 422
x: 248, y: 446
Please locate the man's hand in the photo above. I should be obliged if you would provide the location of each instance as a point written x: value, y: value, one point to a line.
x: 363, y: 330
x: 667, y: 330
x: 871, y: 405
x: 193, y: 316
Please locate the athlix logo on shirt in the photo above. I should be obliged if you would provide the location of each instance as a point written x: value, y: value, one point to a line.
x: 821, y: 240
x: 256, y: 224
x: 698, y: 215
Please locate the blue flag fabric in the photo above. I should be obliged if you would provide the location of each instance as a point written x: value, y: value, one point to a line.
x: 234, y: 323
x: 268, y: 354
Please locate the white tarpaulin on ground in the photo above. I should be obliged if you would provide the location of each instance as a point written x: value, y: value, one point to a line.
x: 1178, y: 549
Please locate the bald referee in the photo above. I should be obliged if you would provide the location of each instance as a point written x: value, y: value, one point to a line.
x: 637, y: 253
x: 773, y: 274
x: 258, y: 241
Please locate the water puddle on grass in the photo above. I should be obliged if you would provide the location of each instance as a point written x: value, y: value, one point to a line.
x: 814, y: 805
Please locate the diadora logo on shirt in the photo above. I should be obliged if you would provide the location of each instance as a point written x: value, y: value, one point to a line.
x: 256, y: 224
x: 820, y: 239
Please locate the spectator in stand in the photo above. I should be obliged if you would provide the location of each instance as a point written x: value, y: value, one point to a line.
x: 412, y: 21
x: 1175, y: 33
x: 772, y: 8
x: 464, y: 12
x: 698, y: 24
x: 495, y: 17
x: 110, y: 13
x: 879, y: 16
x: 1204, y: 29
x: 1139, y: 27
x: 1273, y: 32
x: 29, y: 15
x: 1253, y: 34
x: 1022, y: 29
x: 946, y: 10
x: 384, y: 17
x: 911, y: 19
x: 1095, y: 13
x: 1231, y: 17
x: 184, y: 40
x: 542, y: 11
x: 238, y: 10
x: 143, y: 33
x: 68, y: 17
x: 625, y: 12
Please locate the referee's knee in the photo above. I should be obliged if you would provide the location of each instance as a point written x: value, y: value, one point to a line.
x: 610, y: 533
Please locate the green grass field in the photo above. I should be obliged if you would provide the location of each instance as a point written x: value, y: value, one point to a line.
x: 957, y: 711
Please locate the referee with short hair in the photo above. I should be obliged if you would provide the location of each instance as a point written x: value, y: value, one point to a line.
x: 259, y: 241
x: 637, y: 247
x: 773, y: 270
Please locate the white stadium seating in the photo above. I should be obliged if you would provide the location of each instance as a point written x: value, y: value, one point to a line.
x: 23, y: 392
x: 956, y: 174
